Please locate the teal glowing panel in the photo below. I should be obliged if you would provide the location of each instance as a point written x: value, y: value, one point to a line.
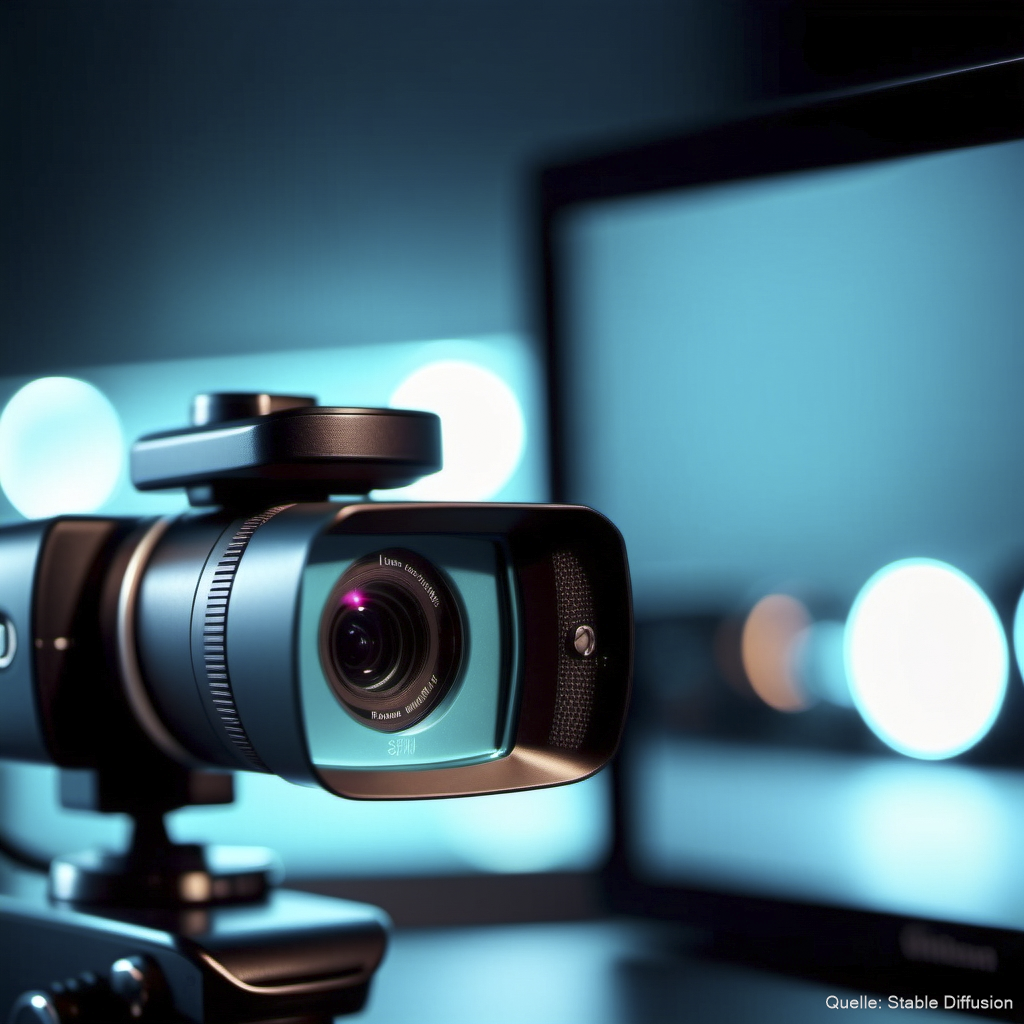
x: 802, y: 377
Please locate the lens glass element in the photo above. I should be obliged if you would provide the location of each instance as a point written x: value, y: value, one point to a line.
x: 377, y: 638
x: 391, y: 639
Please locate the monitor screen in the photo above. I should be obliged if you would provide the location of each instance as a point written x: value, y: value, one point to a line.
x: 797, y: 394
x: 803, y: 377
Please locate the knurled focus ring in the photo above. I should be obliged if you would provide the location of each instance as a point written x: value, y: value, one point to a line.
x: 215, y: 622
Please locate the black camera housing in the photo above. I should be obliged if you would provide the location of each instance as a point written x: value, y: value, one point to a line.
x: 190, y: 638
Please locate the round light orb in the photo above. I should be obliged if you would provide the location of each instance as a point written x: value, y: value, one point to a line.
x: 61, y: 448
x: 926, y: 658
x: 483, y: 432
x: 768, y: 647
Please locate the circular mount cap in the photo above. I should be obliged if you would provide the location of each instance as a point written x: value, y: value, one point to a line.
x: 248, y: 449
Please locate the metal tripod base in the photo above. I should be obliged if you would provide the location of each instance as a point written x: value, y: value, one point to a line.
x: 172, y: 933
x: 294, y: 957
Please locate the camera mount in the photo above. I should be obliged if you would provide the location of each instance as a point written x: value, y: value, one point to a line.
x: 246, y: 449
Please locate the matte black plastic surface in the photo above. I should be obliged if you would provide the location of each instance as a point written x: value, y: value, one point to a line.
x: 53, y: 577
x: 222, y: 406
x: 74, y: 677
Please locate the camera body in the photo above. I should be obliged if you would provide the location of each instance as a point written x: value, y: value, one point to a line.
x: 379, y: 650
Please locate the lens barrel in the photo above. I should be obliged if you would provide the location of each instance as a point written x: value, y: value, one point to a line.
x: 252, y: 611
x: 391, y: 639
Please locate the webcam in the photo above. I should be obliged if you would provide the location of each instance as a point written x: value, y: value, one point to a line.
x: 378, y: 650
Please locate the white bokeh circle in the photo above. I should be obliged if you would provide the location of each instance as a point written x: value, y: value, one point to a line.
x: 61, y: 448
x: 926, y: 658
x: 483, y: 431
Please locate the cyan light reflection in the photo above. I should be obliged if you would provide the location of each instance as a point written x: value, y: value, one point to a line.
x: 1018, y: 634
x: 61, y: 448
x: 930, y: 840
x: 820, y: 665
x: 542, y: 830
x: 926, y: 658
x: 937, y: 840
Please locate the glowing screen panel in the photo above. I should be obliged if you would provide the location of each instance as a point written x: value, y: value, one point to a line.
x: 802, y: 377
x: 786, y: 392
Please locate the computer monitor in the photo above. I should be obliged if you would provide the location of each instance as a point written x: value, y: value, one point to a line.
x: 786, y: 357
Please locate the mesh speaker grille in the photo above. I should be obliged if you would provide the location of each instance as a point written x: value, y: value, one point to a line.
x: 574, y: 692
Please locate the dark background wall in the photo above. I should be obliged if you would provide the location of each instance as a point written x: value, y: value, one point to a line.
x: 801, y: 46
x: 193, y: 177
x: 182, y: 177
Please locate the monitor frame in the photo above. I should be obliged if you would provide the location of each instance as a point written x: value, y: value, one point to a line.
x: 943, y: 111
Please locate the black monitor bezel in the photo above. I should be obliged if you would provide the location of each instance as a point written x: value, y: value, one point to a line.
x: 950, y: 110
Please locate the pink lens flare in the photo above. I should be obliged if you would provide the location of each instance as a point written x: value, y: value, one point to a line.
x: 354, y: 598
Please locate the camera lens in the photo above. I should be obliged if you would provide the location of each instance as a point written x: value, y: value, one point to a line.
x: 391, y: 639
x: 377, y: 638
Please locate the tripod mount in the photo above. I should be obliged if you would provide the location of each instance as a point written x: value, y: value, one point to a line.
x: 179, y: 932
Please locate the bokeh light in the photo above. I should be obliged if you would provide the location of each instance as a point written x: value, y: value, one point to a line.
x: 61, y: 448
x: 768, y: 646
x: 482, y: 428
x: 819, y: 663
x: 926, y: 658
x: 1018, y: 634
